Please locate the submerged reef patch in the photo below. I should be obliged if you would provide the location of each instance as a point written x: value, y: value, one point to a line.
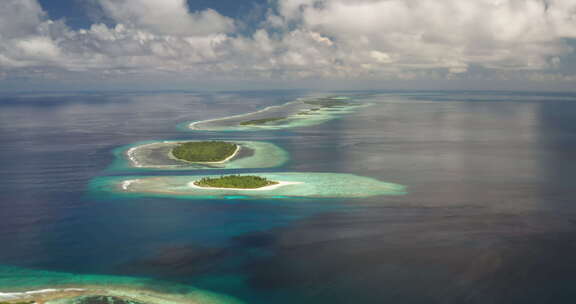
x: 299, y: 113
x: 50, y: 287
x: 289, y: 185
x: 157, y: 155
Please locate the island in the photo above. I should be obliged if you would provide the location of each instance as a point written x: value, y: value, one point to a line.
x: 235, y: 182
x: 197, y: 155
x: 205, y: 151
x: 327, y: 102
x: 280, y: 185
x: 262, y: 121
x: 112, y: 294
x: 302, y: 112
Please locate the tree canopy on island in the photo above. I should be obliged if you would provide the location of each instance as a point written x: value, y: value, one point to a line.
x: 260, y: 121
x: 204, y: 151
x: 235, y: 181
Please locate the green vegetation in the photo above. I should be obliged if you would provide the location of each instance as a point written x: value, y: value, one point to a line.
x: 260, y: 121
x: 204, y: 151
x: 21, y: 302
x: 326, y: 102
x: 235, y: 181
x: 309, y: 112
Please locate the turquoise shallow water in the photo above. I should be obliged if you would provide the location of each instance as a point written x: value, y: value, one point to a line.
x: 303, y: 185
x: 17, y: 281
x: 488, y: 216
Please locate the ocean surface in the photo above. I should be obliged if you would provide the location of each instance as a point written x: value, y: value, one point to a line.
x: 489, y: 217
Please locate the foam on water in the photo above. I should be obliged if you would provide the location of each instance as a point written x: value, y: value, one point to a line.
x: 296, y: 185
x: 155, y: 155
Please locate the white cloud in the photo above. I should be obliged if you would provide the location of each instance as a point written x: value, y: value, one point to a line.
x: 320, y: 39
x: 38, y: 47
x: 19, y: 18
x: 451, y: 34
x: 169, y: 17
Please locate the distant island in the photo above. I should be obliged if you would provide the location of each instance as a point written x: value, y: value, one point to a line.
x: 327, y: 102
x: 260, y: 121
x: 301, y: 112
x: 205, y: 151
x: 235, y: 182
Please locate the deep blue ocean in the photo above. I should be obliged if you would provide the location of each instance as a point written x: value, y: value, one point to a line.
x: 490, y: 214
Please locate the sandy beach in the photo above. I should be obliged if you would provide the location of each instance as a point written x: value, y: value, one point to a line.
x: 193, y: 124
x: 42, y: 295
x: 126, y: 184
x: 46, y: 295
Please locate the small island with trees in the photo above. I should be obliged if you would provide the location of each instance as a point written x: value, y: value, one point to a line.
x: 205, y: 151
x: 235, y: 182
x: 260, y: 121
x: 319, y: 103
x: 327, y: 102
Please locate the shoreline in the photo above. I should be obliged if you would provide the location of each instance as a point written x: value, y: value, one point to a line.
x: 26, y: 295
x: 130, y: 154
x: 192, y: 125
x: 125, y: 184
x: 299, y: 120
x: 66, y: 293
x: 265, y: 188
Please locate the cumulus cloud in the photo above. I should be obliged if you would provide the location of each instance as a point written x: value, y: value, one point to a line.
x: 379, y: 39
x: 146, y: 39
x: 19, y: 18
x: 25, y: 36
x: 169, y: 17
x: 452, y: 34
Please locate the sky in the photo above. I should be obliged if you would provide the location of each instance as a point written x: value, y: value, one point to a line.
x: 280, y: 44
